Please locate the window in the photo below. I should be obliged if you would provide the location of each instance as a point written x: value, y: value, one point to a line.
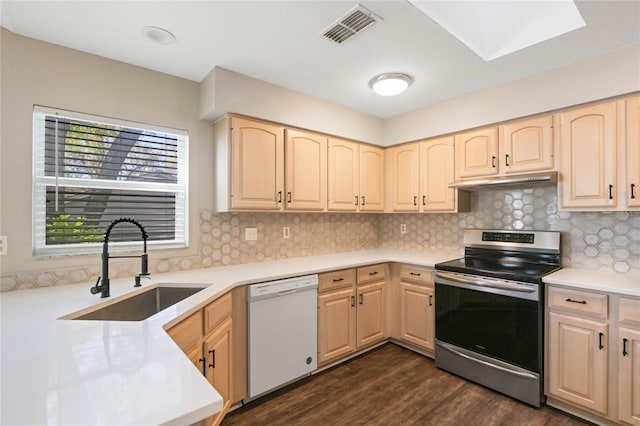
x: 89, y: 171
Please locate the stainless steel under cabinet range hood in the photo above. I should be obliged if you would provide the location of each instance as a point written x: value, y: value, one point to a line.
x: 508, y: 182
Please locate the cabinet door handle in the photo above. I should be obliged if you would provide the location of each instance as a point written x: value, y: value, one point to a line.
x: 424, y: 200
x: 279, y: 197
x: 361, y: 299
x: 506, y: 160
x: 415, y: 200
x: 633, y: 187
x: 373, y: 273
x: 600, y: 336
x: 363, y: 200
x: 356, y: 203
x: 353, y: 301
x: 430, y: 300
x: 337, y: 280
x: 624, y: 347
x: 289, y: 197
x: 611, y: 192
x: 582, y: 302
x: 493, y: 161
x: 213, y: 358
x: 204, y: 366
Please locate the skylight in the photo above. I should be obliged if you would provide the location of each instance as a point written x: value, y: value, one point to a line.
x: 496, y: 28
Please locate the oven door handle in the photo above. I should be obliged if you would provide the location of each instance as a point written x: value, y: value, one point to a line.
x: 451, y: 349
x: 484, y: 283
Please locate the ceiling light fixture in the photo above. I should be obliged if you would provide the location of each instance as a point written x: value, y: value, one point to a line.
x: 390, y: 84
x: 158, y: 35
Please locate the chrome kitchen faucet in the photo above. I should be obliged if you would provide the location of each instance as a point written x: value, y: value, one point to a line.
x: 144, y: 267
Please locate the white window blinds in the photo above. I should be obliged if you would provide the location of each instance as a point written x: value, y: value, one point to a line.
x: 89, y: 171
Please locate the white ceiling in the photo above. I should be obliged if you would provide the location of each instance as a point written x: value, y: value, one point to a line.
x: 278, y: 42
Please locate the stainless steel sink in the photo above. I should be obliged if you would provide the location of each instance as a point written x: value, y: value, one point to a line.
x: 142, y: 305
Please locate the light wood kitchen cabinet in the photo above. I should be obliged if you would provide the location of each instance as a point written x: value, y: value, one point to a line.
x: 355, y: 176
x: 351, y: 310
x: 420, y: 175
x: 628, y: 352
x: 526, y: 145
x: 218, y: 358
x: 372, y: 178
x: 588, y: 142
x: 405, y: 177
x: 417, y: 306
x: 305, y: 170
x: 632, y: 137
x: 257, y: 165
x: 477, y: 153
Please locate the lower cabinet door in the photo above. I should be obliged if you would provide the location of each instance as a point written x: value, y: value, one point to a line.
x: 371, y: 314
x: 417, y: 315
x: 578, y: 361
x: 629, y: 376
x: 336, y: 324
x: 217, y: 355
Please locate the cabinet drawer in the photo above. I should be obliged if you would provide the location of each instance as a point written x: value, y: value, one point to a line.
x: 372, y: 273
x: 336, y: 279
x: 216, y: 312
x: 630, y: 311
x: 188, y: 332
x: 417, y: 274
x: 579, y: 301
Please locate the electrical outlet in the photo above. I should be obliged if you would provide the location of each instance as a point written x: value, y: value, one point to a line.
x: 250, y: 234
x: 403, y: 228
x: 285, y: 232
x: 4, y: 244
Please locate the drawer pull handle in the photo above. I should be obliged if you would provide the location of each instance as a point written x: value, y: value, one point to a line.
x: 582, y: 302
x: 373, y: 273
x: 337, y: 280
x: 415, y: 274
x: 600, y: 336
x: 353, y: 301
x: 213, y: 358
x: 430, y: 300
x: 624, y: 347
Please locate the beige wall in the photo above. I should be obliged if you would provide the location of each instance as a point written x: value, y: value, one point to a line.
x: 34, y: 72
x: 611, y: 74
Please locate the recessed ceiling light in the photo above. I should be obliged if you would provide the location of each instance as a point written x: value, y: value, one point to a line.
x: 390, y: 84
x: 158, y: 35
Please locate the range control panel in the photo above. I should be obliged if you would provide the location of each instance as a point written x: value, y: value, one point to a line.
x: 508, y: 237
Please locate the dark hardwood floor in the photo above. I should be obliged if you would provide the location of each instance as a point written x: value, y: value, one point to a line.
x: 390, y: 385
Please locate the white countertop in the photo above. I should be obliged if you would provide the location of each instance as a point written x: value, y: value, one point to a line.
x: 68, y: 372
x: 624, y: 284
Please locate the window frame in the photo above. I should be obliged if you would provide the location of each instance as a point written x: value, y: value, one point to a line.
x: 40, y: 182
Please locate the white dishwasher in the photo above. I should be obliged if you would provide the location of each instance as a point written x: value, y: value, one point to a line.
x: 283, y: 329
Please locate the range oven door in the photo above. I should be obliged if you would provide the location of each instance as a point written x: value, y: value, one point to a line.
x: 490, y: 331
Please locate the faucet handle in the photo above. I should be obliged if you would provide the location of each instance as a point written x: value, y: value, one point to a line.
x: 139, y: 277
x: 95, y: 289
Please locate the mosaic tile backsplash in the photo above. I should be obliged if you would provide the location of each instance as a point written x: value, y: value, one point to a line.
x: 603, y: 241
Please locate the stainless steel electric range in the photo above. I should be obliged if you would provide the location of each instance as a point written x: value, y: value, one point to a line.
x: 490, y: 310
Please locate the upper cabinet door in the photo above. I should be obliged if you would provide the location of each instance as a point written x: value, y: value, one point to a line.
x: 257, y: 152
x: 477, y: 153
x: 588, y: 145
x: 405, y: 178
x: 436, y: 173
x: 343, y: 175
x: 527, y: 145
x: 633, y: 152
x: 305, y: 170
x: 371, y: 178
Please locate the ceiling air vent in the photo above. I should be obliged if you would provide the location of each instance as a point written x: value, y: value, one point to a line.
x: 350, y: 24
